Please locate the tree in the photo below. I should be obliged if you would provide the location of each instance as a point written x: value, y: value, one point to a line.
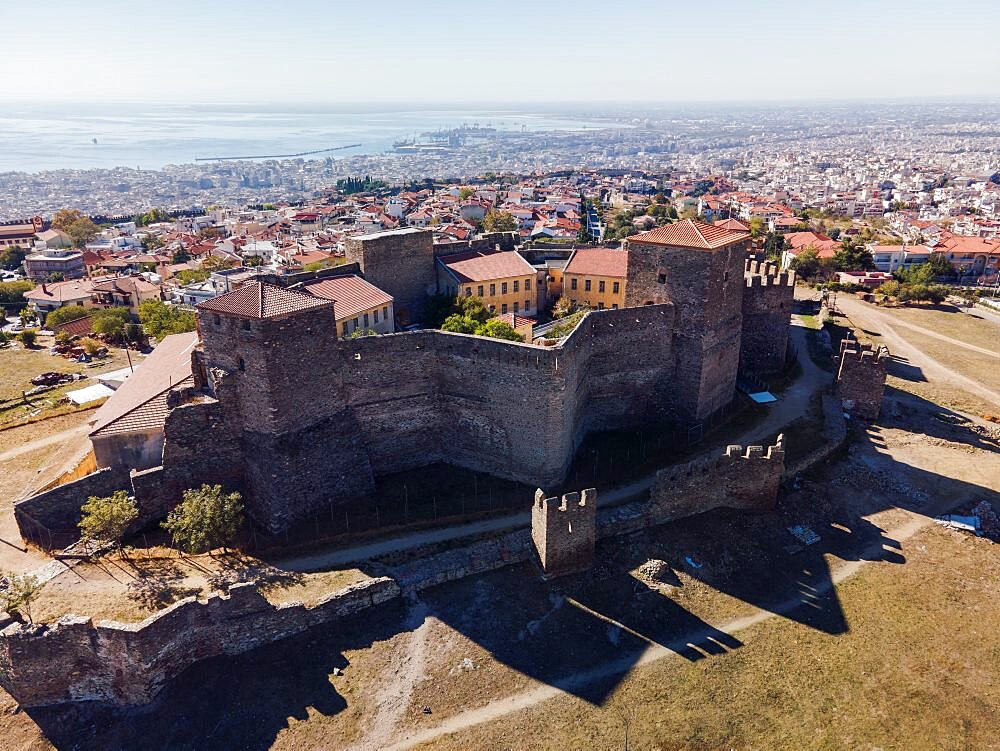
x: 255, y: 260
x: 18, y: 592
x: 464, y: 193
x: 153, y: 216
x: 206, y: 519
x: 27, y: 337
x: 181, y: 256
x: 12, y: 256
x: 806, y: 263
x: 852, y: 256
x: 12, y: 293
x: 459, y: 324
x: 90, y: 345
x: 4, y: 338
x: 216, y: 263
x: 474, y: 308
x: 160, y: 319
x: 110, y: 322
x: 191, y: 276
x: 499, y: 221
x: 66, y: 314
x: 562, y: 307
x: 774, y: 246
x: 889, y: 289
x: 497, y: 329
x: 756, y: 226
x: 107, y: 519
x: 82, y: 231
x: 921, y: 273
x: 27, y: 316
x: 65, y: 217
x: 940, y: 266
x: 151, y: 242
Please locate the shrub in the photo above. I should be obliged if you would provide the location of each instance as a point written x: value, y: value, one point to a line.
x: 66, y: 314
x: 18, y: 592
x: 90, y: 345
x: 27, y: 337
x: 206, y: 519
x: 497, y: 329
x: 64, y: 337
x: 890, y: 288
x: 107, y: 519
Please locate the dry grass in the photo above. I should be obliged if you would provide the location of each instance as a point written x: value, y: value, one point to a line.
x: 971, y: 328
x: 916, y: 670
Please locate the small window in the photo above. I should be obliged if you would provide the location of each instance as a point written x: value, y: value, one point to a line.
x: 376, y: 315
x: 600, y: 286
x: 468, y: 291
x: 586, y: 285
x: 527, y: 284
x: 527, y: 305
x: 661, y: 278
x: 493, y: 289
x: 572, y: 283
x: 345, y: 327
x: 614, y: 306
x: 246, y: 324
x: 366, y: 320
x: 503, y: 308
x: 615, y: 287
x: 217, y: 320
x: 503, y: 288
x: 517, y: 285
x: 493, y: 308
x: 479, y: 290
x: 242, y: 365
x: 600, y: 306
x: 385, y: 312
x: 517, y: 307
x: 357, y: 322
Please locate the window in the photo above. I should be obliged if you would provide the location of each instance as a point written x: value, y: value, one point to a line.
x: 242, y: 365
x: 366, y: 320
x: 493, y: 290
x: 217, y: 320
x: 600, y: 286
x: 246, y: 325
x: 615, y: 287
x: 493, y: 308
x: 661, y: 278
x: 356, y: 322
x: 345, y: 328
x: 517, y: 285
x: 517, y: 307
x: 572, y: 283
x: 614, y: 306
x: 527, y: 305
x: 503, y: 308
x: 376, y: 315
x: 385, y: 312
x: 586, y: 285
x: 468, y: 291
x: 503, y: 288
x: 479, y: 290
x: 600, y: 306
x: 527, y: 284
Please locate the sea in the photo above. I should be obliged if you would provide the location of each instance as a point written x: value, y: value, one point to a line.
x: 36, y: 137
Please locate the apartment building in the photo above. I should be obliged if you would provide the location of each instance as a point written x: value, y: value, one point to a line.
x: 504, y: 280
x: 595, y: 277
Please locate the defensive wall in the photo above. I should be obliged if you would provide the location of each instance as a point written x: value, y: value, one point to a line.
x: 399, y: 262
x: 767, y: 305
x: 564, y: 531
x: 320, y: 417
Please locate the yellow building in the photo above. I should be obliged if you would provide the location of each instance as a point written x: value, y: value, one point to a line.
x: 595, y: 277
x: 503, y: 279
x: 358, y: 305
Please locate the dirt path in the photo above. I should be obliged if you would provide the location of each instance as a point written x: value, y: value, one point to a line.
x: 865, y: 316
x: 51, y: 440
x: 533, y: 696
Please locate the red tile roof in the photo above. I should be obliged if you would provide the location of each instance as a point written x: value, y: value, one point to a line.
x: 481, y: 267
x: 515, y: 321
x: 691, y: 234
x: 166, y: 368
x: 598, y: 262
x: 733, y: 224
x: 351, y: 295
x: 259, y: 300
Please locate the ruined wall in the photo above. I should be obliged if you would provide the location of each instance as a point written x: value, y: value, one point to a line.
x: 564, y: 532
x: 127, y: 664
x: 706, y: 288
x: 58, y: 509
x: 767, y: 306
x: 487, y: 243
x: 861, y: 378
x: 744, y: 479
x: 400, y: 262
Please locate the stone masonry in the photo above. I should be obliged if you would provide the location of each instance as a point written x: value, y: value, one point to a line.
x: 564, y: 532
x: 767, y: 305
x: 399, y: 262
x: 861, y: 378
x: 743, y: 479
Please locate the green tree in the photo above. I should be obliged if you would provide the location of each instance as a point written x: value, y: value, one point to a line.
x: 108, y: 518
x: 756, y: 226
x: 27, y: 316
x: 499, y: 221
x: 437, y: 309
x: 153, y: 216
x: 65, y: 217
x: 464, y: 193
x: 562, y: 307
x: 66, y: 314
x: 259, y: 261
x: 191, y: 276
x: 18, y: 593
x: 852, y: 256
x: 27, y: 337
x: 460, y: 324
x: 205, y: 520
x: 12, y: 257
x: 921, y: 273
x: 889, y: 289
x: 473, y: 308
x: 4, y: 338
x: 151, y: 243
x: 160, y: 319
x: 806, y: 263
x: 12, y: 293
x: 774, y: 246
x: 940, y: 266
x: 181, y: 256
x: 216, y: 263
x: 82, y: 231
x: 497, y: 329
x: 110, y: 322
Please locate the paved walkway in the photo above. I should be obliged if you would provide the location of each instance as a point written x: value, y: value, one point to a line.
x: 793, y: 403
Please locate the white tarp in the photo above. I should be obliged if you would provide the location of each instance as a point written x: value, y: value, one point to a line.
x: 89, y: 394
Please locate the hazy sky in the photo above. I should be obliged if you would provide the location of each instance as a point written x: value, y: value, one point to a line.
x: 503, y: 51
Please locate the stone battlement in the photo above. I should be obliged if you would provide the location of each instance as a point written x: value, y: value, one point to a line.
x: 861, y: 378
x: 767, y: 305
x: 75, y: 659
x: 564, y: 531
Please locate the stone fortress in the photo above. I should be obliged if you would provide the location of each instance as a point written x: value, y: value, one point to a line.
x: 297, y: 418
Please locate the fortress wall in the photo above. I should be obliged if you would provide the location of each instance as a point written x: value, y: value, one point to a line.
x: 127, y: 664
x: 400, y: 262
x: 767, y: 305
x: 58, y: 509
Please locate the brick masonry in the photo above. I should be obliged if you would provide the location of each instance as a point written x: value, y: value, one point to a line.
x: 861, y: 378
x: 767, y: 305
x: 564, y: 531
x: 400, y: 262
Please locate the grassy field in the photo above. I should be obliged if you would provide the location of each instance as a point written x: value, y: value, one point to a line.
x: 972, y: 328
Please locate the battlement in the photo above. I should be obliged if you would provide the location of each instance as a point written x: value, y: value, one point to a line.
x: 564, y: 531
x: 773, y: 453
x: 861, y: 378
